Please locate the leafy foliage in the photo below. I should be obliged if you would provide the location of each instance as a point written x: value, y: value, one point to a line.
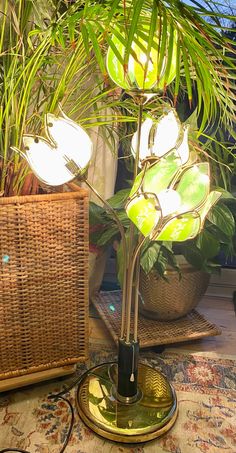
x: 204, y: 54
x: 54, y: 52
x: 218, y: 235
x: 44, y: 62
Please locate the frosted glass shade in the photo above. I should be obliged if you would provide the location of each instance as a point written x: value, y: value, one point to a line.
x: 158, y: 137
x: 63, y: 155
x: 143, y: 71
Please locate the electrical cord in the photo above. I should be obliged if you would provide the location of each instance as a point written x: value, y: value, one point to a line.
x: 56, y: 397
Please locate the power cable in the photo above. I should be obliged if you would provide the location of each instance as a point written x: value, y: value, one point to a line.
x: 56, y: 397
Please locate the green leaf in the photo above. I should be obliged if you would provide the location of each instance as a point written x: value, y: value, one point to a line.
x: 208, y: 244
x: 149, y: 257
x: 151, y: 33
x: 107, y: 236
x: 132, y: 30
x: 96, y: 48
x: 170, y: 52
x: 218, y: 234
x: 84, y: 33
x: 60, y: 38
x: 118, y: 200
x: 187, y: 74
x: 194, y: 256
x: 162, y: 263
x: 123, y: 218
x: 221, y: 216
x: 96, y: 214
x: 162, y: 42
x: 226, y: 195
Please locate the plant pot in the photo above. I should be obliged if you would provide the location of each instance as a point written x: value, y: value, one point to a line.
x: 168, y: 300
x: 43, y: 282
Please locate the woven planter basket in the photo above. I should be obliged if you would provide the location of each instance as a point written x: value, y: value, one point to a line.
x: 171, y: 300
x: 43, y: 282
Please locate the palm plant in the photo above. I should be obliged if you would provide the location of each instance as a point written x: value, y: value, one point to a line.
x: 42, y: 63
x: 48, y: 58
x: 203, y: 55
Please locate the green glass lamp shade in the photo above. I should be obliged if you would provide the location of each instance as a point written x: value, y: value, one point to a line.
x: 143, y: 71
x: 175, y: 213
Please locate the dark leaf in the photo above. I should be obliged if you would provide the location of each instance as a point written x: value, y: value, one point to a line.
x: 208, y: 244
x: 96, y: 214
x: 118, y: 200
x: 194, y: 256
x: 221, y: 216
x: 149, y: 257
x: 107, y: 236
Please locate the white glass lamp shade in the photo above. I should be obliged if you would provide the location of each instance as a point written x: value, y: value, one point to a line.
x: 158, y: 137
x: 143, y: 71
x: 64, y: 155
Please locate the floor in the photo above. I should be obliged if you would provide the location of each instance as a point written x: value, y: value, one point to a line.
x: 217, y: 310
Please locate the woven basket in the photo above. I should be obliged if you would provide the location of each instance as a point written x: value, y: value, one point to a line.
x: 172, y: 299
x: 43, y: 282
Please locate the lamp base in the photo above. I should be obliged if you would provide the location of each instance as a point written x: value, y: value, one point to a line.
x: 152, y: 414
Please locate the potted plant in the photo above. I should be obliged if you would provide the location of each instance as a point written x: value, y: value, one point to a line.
x: 44, y: 62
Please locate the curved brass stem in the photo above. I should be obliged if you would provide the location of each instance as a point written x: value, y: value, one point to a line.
x: 136, y: 297
x: 141, y: 101
x: 129, y: 290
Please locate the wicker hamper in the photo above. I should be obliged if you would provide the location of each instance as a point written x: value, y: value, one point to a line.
x: 44, y: 282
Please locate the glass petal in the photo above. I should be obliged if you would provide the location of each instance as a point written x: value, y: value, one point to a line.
x: 167, y: 133
x: 137, y: 67
x: 211, y: 200
x: 144, y: 140
x: 70, y: 140
x: 193, y: 187
x: 183, y: 149
x: 142, y: 212
x: 169, y: 201
x: 158, y: 176
x: 180, y: 228
x: 47, y: 164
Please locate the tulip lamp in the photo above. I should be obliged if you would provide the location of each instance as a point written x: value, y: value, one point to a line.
x: 128, y: 401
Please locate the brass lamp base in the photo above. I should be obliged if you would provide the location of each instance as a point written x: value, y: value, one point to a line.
x: 152, y: 414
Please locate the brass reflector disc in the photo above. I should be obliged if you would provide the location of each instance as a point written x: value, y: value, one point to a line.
x: 152, y: 415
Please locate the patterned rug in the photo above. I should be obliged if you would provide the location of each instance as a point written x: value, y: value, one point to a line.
x: 206, y: 390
